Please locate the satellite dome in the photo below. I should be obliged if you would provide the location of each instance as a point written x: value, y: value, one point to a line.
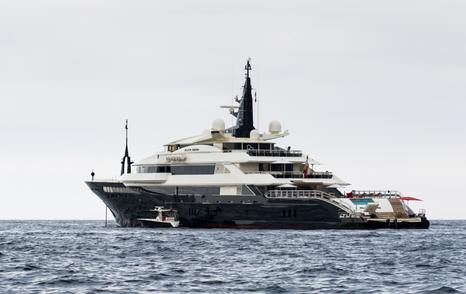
x: 275, y: 127
x: 254, y: 134
x: 218, y: 125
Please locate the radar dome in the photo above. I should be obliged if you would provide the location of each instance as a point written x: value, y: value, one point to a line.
x: 275, y: 127
x: 218, y: 125
x: 254, y: 134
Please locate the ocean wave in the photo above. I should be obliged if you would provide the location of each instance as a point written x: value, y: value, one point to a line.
x: 85, y: 257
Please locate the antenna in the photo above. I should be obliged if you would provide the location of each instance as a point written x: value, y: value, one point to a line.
x: 248, y: 67
x: 257, y: 109
x: 126, y: 130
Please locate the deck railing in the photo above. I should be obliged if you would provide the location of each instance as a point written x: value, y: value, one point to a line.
x: 288, y: 175
x: 277, y: 153
x: 298, y: 194
x: 314, y: 175
x: 309, y: 194
x: 374, y: 193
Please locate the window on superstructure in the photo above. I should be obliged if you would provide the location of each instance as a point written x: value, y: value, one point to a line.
x: 164, y: 169
x: 264, y: 166
x: 150, y: 169
x: 250, y: 146
x: 146, y: 169
x: 191, y: 190
x: 232, y: 146
x: 207, y: 169
x: 172, y: 148
x: 247, y: 146
x: 277, y: 167
x: 265, y: 146
x: 282, y: 167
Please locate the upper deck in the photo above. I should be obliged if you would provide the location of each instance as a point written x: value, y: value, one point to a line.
x: 248, y: 154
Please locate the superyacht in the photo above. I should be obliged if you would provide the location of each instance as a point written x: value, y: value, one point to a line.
x: 237, y: 177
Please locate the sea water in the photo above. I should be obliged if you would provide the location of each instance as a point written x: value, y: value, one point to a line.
x: 86, y: 257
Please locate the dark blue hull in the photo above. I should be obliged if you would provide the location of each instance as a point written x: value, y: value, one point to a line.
x: 210, y: 211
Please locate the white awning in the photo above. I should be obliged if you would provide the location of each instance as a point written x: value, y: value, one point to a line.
x: 281, y: 162
x: 287, y: 186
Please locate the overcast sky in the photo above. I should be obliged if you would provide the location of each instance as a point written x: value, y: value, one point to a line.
x: 375, y: 90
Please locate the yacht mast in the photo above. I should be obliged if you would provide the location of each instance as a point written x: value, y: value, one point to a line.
x: 126, y: 159
x: 245, y: 120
